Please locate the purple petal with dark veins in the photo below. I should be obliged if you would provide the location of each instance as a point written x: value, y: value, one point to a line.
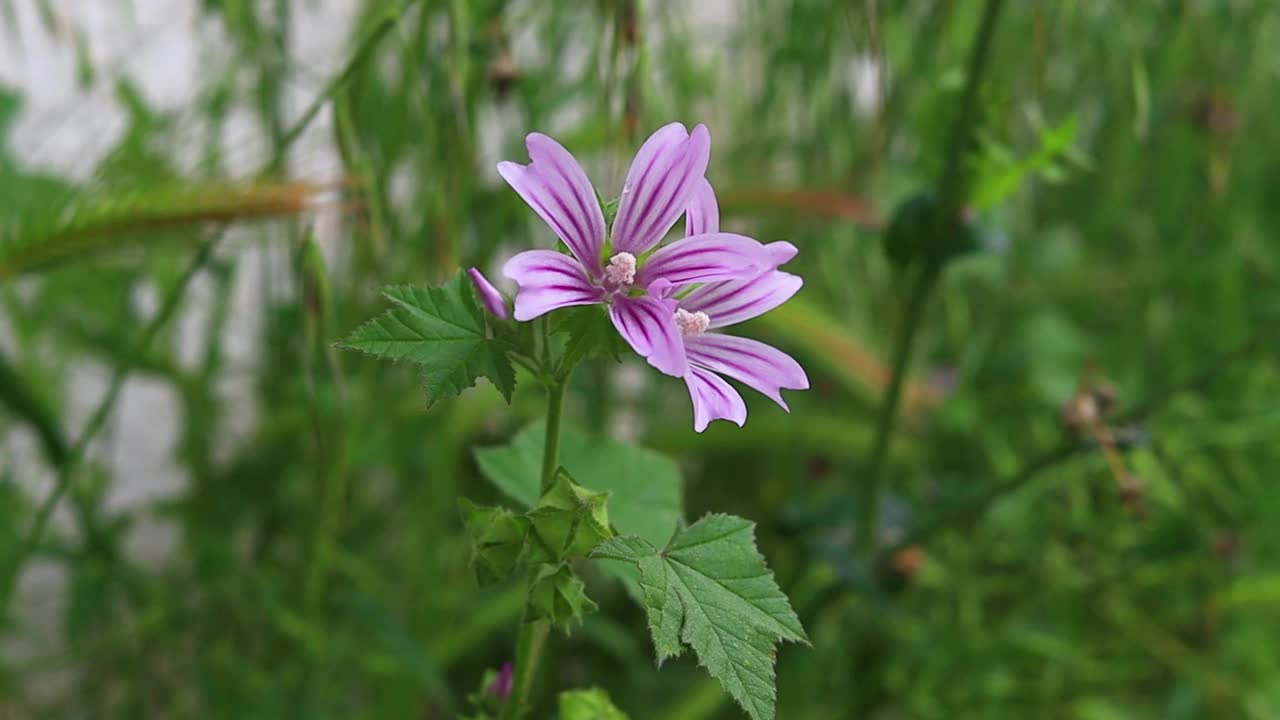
x: 760, y: 366
x: 649, y: 327
x: 558, y: 190
x: 734, y: 301
x: 659, y: 184
x: 713, y: 399
x: 707, y: 258
x: 548, y: 280
x: 703, y: 213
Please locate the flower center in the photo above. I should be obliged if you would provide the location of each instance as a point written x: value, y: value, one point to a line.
x: 692, y: 324
x: 620, y: 273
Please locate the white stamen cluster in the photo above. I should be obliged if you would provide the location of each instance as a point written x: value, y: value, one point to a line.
x: 692, y: 324
x: 620, y: 273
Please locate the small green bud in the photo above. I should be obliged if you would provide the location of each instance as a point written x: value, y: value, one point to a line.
x: 557, y: 595
x: 593, y: 704
x: 918, y: 234
x: 570, y: 520
x: 497, y: 540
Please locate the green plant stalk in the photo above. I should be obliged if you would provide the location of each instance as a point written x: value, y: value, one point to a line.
x: 25, y: 404
x: 869, y: 508
x: 952, y: 192
x: 331, y: 454
x: 533, y: 634
x: 551, y: 446
x: 288, y: 136
x: 952, y: 188
x: 533, y: 637
x: 67, y: 471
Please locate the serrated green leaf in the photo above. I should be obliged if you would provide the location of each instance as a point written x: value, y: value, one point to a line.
x: 663, y: 606
x: 443, y: 330
x: 593, y: 704
x: 643, y: 486
x: 712, y: 585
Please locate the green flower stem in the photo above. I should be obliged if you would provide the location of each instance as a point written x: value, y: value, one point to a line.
x: 533, y: 635
x: 953, y: 191
x: 551, y: 446
x: 869, y: 508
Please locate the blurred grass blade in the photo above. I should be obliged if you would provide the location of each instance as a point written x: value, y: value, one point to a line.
x: 856, y: 367
x: 42, y: 237
x: 821, y: 202
x: 16, y: 395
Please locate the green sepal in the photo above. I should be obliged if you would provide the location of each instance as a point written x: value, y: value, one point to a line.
x: 590, y: 333
x: 592, y: 704
x: 569, y: 520
x: 610, y: 210
x: 484, y: 704
x: 557, y: 595
x: 497, y: 541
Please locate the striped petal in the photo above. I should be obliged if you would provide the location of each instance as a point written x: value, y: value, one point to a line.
x: 649, y: 327
x: 558, y: 190
x: 727, y: 303
x: 489, y: 295
x: 751, y: 362
x: 548, y: 280
x: 707, y: 258
x: 703, y: 214
x: 662, y: 178
x: 713, y: 399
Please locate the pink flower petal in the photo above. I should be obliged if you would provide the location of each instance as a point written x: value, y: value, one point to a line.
x: 489, y: 295
x: 707, y: 258
x: 713, y: 399
x: 663, y: 176
x: 761, y: 366
x: 558, y: 190
x: 737, y: 300
x: 548, y: 280
x: 781, y: 252
x: 649, y: 327
x: 703, y: 214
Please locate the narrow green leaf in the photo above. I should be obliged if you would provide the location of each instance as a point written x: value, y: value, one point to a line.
x: 999, y: 175
x: 20, y: 399
x: 443, y: 330
x: 712, y: 587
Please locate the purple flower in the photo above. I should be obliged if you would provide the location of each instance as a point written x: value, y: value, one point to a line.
x: 501, y: 685
x: 489, y: 295
x: 719, y: 304
x: 616, y: 267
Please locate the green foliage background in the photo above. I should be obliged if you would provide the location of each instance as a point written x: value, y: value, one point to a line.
x: 1124, y: 204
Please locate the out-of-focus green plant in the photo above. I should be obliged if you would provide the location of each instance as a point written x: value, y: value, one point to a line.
x: 1119, y: 199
